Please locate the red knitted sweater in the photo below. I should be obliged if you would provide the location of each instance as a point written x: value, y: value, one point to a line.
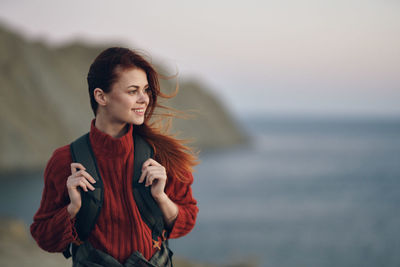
x: 119, y: 230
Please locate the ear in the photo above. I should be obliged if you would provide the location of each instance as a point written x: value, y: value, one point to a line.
x: 100, y: 96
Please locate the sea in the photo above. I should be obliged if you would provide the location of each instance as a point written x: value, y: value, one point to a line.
x: 303, y: 191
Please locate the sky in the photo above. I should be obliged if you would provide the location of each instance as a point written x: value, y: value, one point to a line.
x: 325, y: 57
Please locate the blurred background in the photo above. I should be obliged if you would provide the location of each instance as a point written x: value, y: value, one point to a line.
x: 295, y: 110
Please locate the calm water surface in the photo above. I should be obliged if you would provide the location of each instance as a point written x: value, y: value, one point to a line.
x: 304, y: 192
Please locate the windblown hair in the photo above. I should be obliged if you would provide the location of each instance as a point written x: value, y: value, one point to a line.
x: 173, y: 154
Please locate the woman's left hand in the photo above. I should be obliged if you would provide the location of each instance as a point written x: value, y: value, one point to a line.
x: 154, y: 175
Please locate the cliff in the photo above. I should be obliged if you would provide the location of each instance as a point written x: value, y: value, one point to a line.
x: 44, y: 103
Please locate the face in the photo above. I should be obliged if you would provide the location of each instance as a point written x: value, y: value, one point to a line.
x: 129, y: 97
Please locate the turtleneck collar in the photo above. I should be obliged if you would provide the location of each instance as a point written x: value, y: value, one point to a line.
x: 107, y: 145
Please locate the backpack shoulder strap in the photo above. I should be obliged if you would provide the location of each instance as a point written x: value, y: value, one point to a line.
x: 81, y: 152
x: 86, y: 218
x: 148, y: 208
x: 142, y: 152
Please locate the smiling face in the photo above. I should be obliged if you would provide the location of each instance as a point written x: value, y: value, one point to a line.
x: 129, y: 97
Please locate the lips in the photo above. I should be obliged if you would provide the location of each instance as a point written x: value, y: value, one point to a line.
x: 139, y: 111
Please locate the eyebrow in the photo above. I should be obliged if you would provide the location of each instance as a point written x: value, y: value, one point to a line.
x: 137, y: 86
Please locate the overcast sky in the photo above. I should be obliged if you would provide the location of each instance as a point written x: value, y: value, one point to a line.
x: 260, y: 57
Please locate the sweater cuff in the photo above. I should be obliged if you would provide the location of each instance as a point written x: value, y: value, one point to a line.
x: 180, y: 227
x: 64, y: 218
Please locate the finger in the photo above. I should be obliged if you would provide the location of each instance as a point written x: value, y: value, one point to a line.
x: 75, y: 166
x: 85, y: 184
x: 156, y: 171
x: 161, y: 177
x: 154, y: 177
x: 82, y: 184
x: 146, y: 163
x: 79, y: 181
x: 151, y: 162
x: 141, y: 179
x: 149, y: 179
x: 88, y: 185
x: 86, y: 175
x: 159, y: 169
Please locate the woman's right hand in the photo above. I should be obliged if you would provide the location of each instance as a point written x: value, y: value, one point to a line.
x: 78, y: 178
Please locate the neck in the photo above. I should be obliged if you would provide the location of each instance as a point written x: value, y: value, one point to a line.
x: 114, y: 129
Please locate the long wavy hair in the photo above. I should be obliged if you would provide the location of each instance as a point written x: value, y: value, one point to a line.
x: 172, y: 153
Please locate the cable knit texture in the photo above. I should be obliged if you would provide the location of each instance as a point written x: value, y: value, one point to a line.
x: 119, y: 230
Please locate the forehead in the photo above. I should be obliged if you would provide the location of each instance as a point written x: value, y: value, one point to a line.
x: 131, y: 76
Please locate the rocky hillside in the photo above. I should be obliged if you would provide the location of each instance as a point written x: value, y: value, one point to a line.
x: 44, y: 103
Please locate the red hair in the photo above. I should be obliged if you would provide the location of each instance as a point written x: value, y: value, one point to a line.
x: 173, y: 154
x: 177, y: 158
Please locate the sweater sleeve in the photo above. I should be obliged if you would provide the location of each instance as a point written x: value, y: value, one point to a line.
x: 52, y: 227
x: 181, y: 194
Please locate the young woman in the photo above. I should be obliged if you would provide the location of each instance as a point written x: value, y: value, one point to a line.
x: 123, y: 89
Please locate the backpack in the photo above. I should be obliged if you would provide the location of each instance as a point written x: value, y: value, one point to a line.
x: 92, y: 201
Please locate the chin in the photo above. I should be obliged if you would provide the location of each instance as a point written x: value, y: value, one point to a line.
x: 137, y: 121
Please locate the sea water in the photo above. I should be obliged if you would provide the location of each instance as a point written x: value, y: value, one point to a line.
x: 302, y: 192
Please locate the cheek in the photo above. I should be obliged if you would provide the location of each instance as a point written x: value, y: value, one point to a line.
x: 121, y: 103
x: 149, y: 98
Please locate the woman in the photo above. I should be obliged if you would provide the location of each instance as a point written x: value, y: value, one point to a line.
x: 123, y: 89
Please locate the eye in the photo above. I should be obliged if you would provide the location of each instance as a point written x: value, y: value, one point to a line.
x: 132, y: 92
x: 147, y: 90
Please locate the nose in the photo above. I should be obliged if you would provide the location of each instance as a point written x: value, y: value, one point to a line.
x: 143, y: 97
